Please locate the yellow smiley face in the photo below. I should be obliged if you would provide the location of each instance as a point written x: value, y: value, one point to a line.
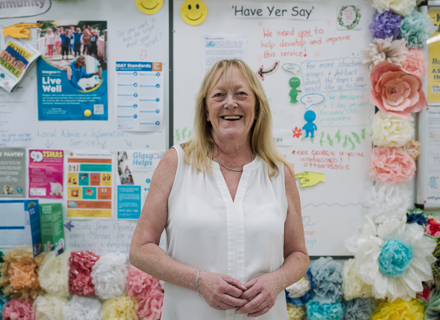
x: 149, y: 6
x: 194, y: 12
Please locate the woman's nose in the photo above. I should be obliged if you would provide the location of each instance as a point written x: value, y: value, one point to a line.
x: 230, y: 101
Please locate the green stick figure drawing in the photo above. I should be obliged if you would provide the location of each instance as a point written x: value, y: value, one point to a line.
x: 294, y: 84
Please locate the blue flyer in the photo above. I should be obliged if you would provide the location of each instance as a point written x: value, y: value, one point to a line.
x: 72, y: 71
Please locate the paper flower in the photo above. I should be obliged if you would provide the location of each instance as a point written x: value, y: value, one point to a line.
x: 49, y: 307
x: 54, y: 274
x: 358, y: 309
x: 416, y: 29
x: 392, y: 131
x: 18, y: 310
x: 385, y: 25
x: 82, y: 308
x: 151, y: 308
x: 326, y: 311
x: 327, y: 275
x: 352, y: 285
x: 395, y: 91
x: 109, y: 275
x: 391, y: 165
x: 20, y: 273
x: 413, y: 148
x: 80, y: 279
x: 296, y: 312
x: 3, y: 301
x: 122, y: 307
x: 388, y: 202
x: 415, y: 63
x: 397, y: 266
x: 399, y: 310
x: 416, y: 216
x: 379, y: 50
x: 140, y: 284
x: 436, y: 266
x: 432, y: 309
x: 300, y: 292
x: 402, y: 7
x: 432, y: 227
x: 425, y: 295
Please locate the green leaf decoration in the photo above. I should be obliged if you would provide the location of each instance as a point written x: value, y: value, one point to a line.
x: 363, y: 133
x: 352, y: 143
x: 355, y: 135
x: 345, y: 141
x: 330, y: 141
x: 338, y: 136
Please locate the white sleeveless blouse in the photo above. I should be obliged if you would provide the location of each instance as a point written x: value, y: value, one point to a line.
x: 207, y: 230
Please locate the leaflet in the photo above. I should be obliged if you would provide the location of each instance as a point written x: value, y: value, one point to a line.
x: 12, y: 173
x: 46, y: 174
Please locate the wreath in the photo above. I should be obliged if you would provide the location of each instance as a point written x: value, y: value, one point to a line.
x: 356, y: 20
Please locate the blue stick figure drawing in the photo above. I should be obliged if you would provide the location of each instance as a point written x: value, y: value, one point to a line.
x: 310, y: 127
x: 433, y: 182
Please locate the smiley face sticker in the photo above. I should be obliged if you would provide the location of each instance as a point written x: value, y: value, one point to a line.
x: 194, y: 12
x: 149, y: 6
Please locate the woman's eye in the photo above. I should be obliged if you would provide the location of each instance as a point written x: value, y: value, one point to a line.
x: 217, y: 95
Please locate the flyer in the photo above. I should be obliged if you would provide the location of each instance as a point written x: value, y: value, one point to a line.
x: 72, y: 74
x: 135, y: 170
x: 89, y: 184
x: 434, y: 63
x: 12, y: 173
x: 46, y: 174
x: 139, y: 95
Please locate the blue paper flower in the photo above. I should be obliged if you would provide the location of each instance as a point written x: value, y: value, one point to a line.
x: 327, y: 274
x: 358, y: 309
x: 417, y: 218
x: 385, y: 25
x: 326, y: 311
x: 302, y: 300
x: 395, y: 258
x: 416, y: 29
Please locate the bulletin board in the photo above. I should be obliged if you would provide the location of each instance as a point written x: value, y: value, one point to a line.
x: 325, y: 56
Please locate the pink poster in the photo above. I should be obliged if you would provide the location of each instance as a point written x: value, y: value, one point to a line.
x: 46, y: 174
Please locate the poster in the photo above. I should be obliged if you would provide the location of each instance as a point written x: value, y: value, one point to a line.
x: 139, y: 95
x: 135, y: 171
x: 46, y: 174
x: 89, y: 179
x: 72, y: 74
x: 434, y: 62
x: 12, y: 173
x: 433, y: 157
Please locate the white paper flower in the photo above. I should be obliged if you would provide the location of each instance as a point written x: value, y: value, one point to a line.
x: 109, y: 275
x: 82, y: 308
x: 394, y: 258
x: 54, y: 274
x: 392, y: 131
x: 385, y: 50
x: 402, y: 7
x: 300, y: 288
x: 49, y: 307
x: 352, y: 285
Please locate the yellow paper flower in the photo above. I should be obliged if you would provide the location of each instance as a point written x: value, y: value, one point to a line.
x: 122, y: 307
x: 399, y: 310
x: 295, y: 312
x: 352, y: 285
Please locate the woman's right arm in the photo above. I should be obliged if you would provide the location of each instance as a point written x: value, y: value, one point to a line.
x: 220, y: 291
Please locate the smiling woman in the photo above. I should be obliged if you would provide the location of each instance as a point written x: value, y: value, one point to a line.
x: 194, y: 12
x: 149, y: 6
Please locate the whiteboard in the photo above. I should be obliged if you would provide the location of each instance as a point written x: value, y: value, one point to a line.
x: 332, y: 211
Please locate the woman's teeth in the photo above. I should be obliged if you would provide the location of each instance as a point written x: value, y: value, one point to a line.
x: 231, y: 117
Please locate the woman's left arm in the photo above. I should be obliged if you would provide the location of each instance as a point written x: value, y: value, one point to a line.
x: 265, y: 289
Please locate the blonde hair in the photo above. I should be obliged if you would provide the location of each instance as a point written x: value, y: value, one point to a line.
x: 198, y: 150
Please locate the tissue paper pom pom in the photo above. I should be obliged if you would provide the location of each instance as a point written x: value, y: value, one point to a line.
x: 385, y: 25
x: 425, y: 295
x: 80, y: 279
x: 391, y: 165
x: 3, y: 301
x: 20, y: 273
x: 54, y: 274
x: 388, y: 202
x: 18, y: 310
x: 395, y: 91
x: 392, y: 131
x: 296, y: 312
x: 432, y: 309
x: 326, y: 311
x: 140, y: 284
x: 415, y: 62
x: 108, y: 275
x: 49, y: 307
x: 413, y: 148
x: 416, y: 29
x: 327, y: 274
x: 432, y: 228
x: 402, y: 7
x: 380, y: 50
x: 122, y: 307
x: 151, y: 308
x: 399, y: 310
x: 82, y: 308
x: 353, y: 286
x: 358, y: 309
x: 293, y: 293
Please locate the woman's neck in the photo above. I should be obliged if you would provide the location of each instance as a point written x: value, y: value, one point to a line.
x: 235, y: 153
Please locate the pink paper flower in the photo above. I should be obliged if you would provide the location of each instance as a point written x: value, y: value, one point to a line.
x: 80, y: 279
x: 395, y: 91
x: 415, y: 62
x: 140, y: 285
x: 18, y: 310
x: 391, y: 165
x: 151, y: 308
x: 432, y: 228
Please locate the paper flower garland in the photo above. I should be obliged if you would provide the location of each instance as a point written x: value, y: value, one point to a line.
x: 326, y: 311
x: 392, y: 131
x: 399, y: 310
x: 140, y: 284
x: 391, y: 165
x: 54, y: 274
x: 416, y: 29
x: 109, y: 275
x: 379, y: 50
x: 300, y: 292
x: 49, y: 307
x: 80, y: 279
x: 385, y: 25
x: 123, y: 307
x: 415, y: 62
x: 327, y: 275
x: 296, y: 312
x: 394, y: 259
x: 402, y: 7
x: 352, y: 285
x: 18, y: 310
x: 395, y: 91
x: 358, y: 309
x: 82, y: 308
